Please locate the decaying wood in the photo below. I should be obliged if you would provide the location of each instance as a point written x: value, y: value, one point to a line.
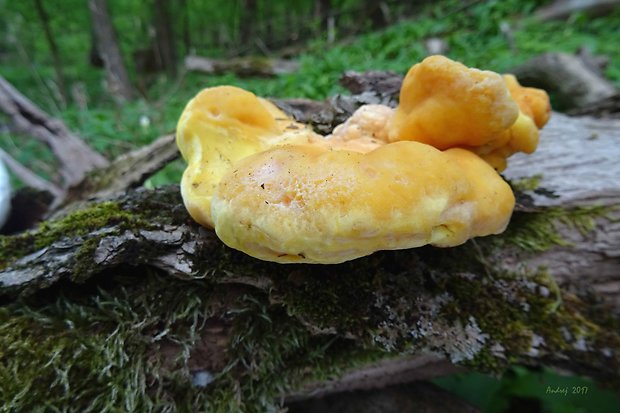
x: 382, y: 374
x: 577, y: 163
x: 75, y: 157
x: 606, y: 108
x: 127, y: 171
x: 384, y: 84
x: 242, y: 66
x: 86, y: 174
x: 367, y: 88
x: 561, y: 9
x: 571, y: 80
x: 30, y: 178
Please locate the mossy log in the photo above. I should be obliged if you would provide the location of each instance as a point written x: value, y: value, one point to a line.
x: 128, y: 304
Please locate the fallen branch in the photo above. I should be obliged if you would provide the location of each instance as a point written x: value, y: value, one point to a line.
x: 126, y: 172
x: 562, y: 9
x: 30, y: 178
x: 569, y: 78
x: 242, y: 66
x: 75, y: 157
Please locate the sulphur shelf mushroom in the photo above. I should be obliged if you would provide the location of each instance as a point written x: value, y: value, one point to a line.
x: 423, y: 173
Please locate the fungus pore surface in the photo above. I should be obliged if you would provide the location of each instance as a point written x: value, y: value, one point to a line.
x: 423, y: 173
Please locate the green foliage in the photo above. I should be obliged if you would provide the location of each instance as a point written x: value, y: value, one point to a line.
x: 473, y: 34
x: 521, y: 389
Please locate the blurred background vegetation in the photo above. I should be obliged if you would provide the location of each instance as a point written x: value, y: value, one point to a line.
x: 49, y: 52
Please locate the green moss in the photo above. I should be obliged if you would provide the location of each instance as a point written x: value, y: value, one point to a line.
x: 98, y: 346
x: 527, y: 184
x: 125, y: 215
x: 89, y: 352
x: 538, y: 231
x: 98, y: 351
x: 76, y: 224
x: 334, y: 297
x: 83, y: 259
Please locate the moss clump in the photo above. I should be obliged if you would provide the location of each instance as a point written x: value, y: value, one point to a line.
x: 336, y: 298
x: 76, y: 224
x: 527, y: 184
x: 92, y: 351
x: 538, y: 231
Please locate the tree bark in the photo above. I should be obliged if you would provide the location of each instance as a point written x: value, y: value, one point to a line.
x: 117, y: 77
x: 186, y: 28
x: 322, y: 11
x: 247, y: 29
x: 241, y: 66
x: 581, y: 172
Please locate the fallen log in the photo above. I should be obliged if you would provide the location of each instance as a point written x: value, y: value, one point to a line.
x: 562, y: 9
x: 242, y: 66
x: 75, y: 157
x: 571, y: 79
x: 131, y: 290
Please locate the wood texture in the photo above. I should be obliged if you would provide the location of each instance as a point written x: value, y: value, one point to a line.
x: 577, y: 164
x: 107, y: 45
x: 74, y: 156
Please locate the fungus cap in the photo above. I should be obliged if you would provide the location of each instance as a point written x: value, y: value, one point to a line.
x: 220, y: 126
x: 445, y: 104
x: 310, y: 204
x: 385, y: 179
x: 523, y: 134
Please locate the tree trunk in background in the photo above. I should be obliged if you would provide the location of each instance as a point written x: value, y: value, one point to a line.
x: 322, y: 9
x: 247, y: 29
x: 375, y: 11
x: 164, y: 36
x: 62, y: 85
x: 118, y: 79
x: 186, y: 27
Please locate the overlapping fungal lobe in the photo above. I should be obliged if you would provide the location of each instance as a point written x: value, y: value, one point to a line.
x: 220, y: 126
x: 523, y: 134
x: 385, y: 179
x: 445, y: 104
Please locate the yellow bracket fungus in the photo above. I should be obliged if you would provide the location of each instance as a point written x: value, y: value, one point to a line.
x: 385, y: 179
